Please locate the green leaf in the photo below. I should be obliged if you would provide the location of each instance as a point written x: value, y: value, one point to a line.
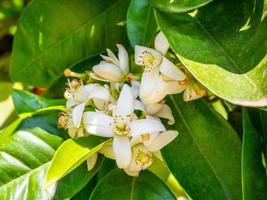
x: 254, y: 179
x: 118, y: 185
x: 46, y: 121
x: 53, y: 35
x: 57, y: 88
x: 178, y: 6
x: 75, y: 181
x: 141, y: 23
x: 26, y: 102
x: 71, y: 154
x: 214, y: 48
x: 263, y: 119
x: 24, y: 160
x: 205, y: 157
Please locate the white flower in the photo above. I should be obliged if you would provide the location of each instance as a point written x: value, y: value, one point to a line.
x: 122, y: 125
x: 144, y: 147
x: 159, y: 109
x: 78, y: 96
x: 65, y: 121
x: 112, y: 69
x: 161, y: 77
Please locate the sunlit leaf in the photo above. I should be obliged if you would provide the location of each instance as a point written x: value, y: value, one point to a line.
x: 71, y: 154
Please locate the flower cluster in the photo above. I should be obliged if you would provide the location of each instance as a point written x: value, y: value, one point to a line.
x: 113, y: 103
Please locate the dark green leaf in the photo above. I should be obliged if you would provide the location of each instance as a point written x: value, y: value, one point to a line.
x: 178, y: 6
x: 254, y: 179
x: 141, y: 24
x: 26, y: 102
x: 205, y: 157
x: 57, y: 88
x: 72, y: 183
x: 71, y: 154
x: 118, y: 185
x: 53, y: 35
x: 263, y: 119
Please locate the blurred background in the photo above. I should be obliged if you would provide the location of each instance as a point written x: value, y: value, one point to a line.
x: 10, y: 11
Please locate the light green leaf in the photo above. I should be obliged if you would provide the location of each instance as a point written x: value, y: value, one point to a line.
x: 254, y: 179
x: 205, y: 157
x: 24, y: 160
x: 178, y: 6
x: 216, y: 46
x: 71, y: 154
x: 141, y: 23
x: 26, y: 102
x: 118, y: 185
x: 53, y: 35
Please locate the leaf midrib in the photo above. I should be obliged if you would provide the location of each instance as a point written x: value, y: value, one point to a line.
x: 88, y: 21
x: 198, y: 147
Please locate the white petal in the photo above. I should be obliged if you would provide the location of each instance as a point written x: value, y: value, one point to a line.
x: 81, y: 94
x: 100, y: 93
x: 107, y: 151
x: 113, y: 57
x: 122, y: 151
x: 162, y: 140
x: 125, y: 104
x: 98, y: 124
x: 77, y: 114
x: 108, y: 71
x: 161, y: 43
x: 135, y: 88
x: 153, y: 88
x: 171, y: 70
x: 153, y: 109
x: 134, y: 167
x: 193, y: 91
x: 70, y: 103
x: 150, y: 139
x: 143, y: 126
x: 141, y: 53
x: 139, y: 105
x: 73, y: 132
x: 149, y: 86
x: 166, y: 113
x: 91, y: 161
x: 131, y: 173
x: 123, y: 59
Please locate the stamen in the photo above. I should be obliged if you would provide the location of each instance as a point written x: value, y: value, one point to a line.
x: 144, y: 159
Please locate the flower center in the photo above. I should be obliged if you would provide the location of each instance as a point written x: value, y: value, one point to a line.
x: 63, y: 121
x: 120, y: 128
x: 147, y: 58
x: 143, y: 159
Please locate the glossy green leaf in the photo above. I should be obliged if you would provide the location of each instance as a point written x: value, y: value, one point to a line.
x: 26, y: 102
x: 254, y: 179
x: 118, y: 185
x: 216, y: 46
x: 53, y: 35
x: 141, y: 23
x: 178, y: 6
x: 24, y: 160
x: 71, y: 154
x: 205, y: 157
